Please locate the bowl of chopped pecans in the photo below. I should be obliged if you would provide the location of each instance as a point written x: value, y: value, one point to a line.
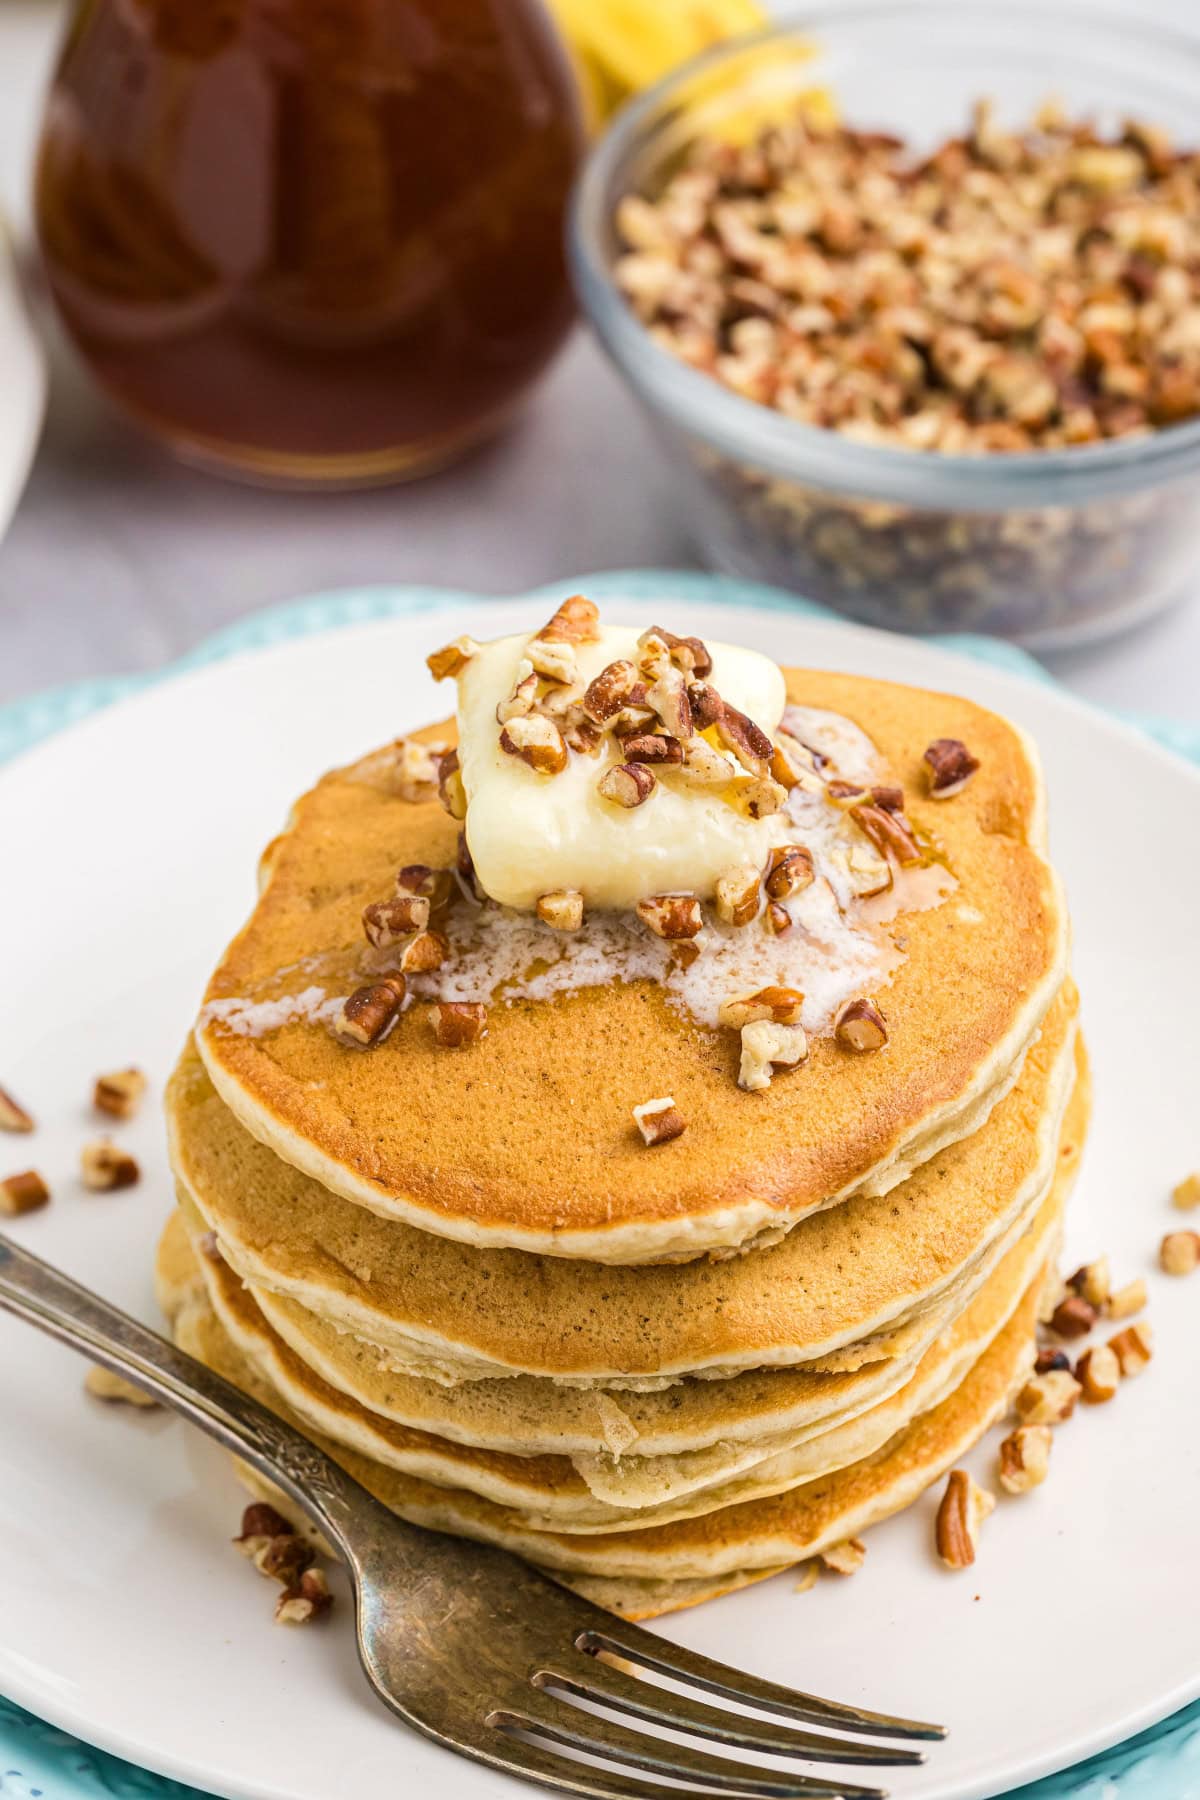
x: 934, y: 361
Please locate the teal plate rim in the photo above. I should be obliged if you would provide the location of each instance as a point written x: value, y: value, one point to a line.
x: 40, y: 1762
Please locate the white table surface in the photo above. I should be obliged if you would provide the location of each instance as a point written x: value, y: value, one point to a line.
x: 118, y: 559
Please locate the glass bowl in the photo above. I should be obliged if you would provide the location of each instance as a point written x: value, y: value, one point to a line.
x: 1050, y: 547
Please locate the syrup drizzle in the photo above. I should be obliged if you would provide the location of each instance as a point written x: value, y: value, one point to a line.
x: 838, y: 946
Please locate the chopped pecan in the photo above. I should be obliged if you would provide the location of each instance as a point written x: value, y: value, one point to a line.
x: 867, y: 872
x: 1123, y: 1302
x: 413, y: 771
x: 778, y: 919
x: 576, y: 621
x: 781, y: 1004
x: 428, y: 950
x: 120, y: 1094
x: 553, y: 659
x: 1049, y: 1359
x: 1179, y: 1252
x: 1032, y: 287
x: 260, y: 1521
x: 686, y: 951
x: 104, y: 1384
x: 860, y: 1026
x: 388, y: 922
x: 752, y: 747
x: 1092, y: 1282
x: 789, y: 871
x: 368, y: 1014
x: 1048, y: 1399
x: 671, y: 915
x: 420, y: 881
x: 522, y: 699
x: 561, y: 909
x: 1186, y: 1193
x: 22, y: 1193
x: 792, y: 764
x: 284, y: 1558
x: 457, y: 1023
x: 1073, y: 1317
x: 706, y: 704
x: 890, y: 798
x: 659, y: 750
x: 105, y: 1167
x: 759, y: 797
x: 690, y: 654
x: 627, y: 784
x: 766, y: 1047
x: 950, y: 766
x: 845, y: 794
x: 659, y: 1121
x: 618, y: 685
x: 269, y: 1542
x: 1098, y: 1373
x: 452, y: 659
x: 1133, y: 1348
x: 704, y: 766
x: 633, y: 721
x: 13, y: 1116
x: 668, y: 697
x: 1025, y: 1458
x: 310, y: 1599
x: 889, y: 832
x: 582, y: 735
x: 736, y: 895
x: 844, y: 1558
x: 964, y: 1507
x: 537, y: 741
x: 563, y: 704
x: 579, y: 733
x: 653, y: 654
x: 553, y: 650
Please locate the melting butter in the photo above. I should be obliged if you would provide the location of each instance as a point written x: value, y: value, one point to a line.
x: 530, y: 834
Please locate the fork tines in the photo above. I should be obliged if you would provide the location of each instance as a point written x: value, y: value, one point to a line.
x: 572, y: 1707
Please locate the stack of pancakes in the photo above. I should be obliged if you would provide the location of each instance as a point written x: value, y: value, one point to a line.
x: 659, y: 1373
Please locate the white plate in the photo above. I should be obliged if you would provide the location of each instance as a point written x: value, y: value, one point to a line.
x: 129, y: 846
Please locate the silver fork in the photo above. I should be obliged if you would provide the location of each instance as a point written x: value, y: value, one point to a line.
x: 468, y: 1644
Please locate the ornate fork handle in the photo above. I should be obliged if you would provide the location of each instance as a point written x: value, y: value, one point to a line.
x: 42, y: 1295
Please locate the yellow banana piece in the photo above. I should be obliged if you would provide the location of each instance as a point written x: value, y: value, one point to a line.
x: 622, y: 46
x: 637, y: 41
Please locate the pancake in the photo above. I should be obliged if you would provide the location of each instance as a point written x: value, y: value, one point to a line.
x: 849, y: 1283
x: 527, y: 1415
x: 719, y: 1428
x: 560, y: 1493
x: 731, y: 1542
x: 641, y: 1600
x: 178, y: 1274
x: 490, y: 1147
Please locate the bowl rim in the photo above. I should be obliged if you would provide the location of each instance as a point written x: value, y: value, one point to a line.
x: 820, y: 456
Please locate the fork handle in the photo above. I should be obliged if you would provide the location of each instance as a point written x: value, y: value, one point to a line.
x: 44, y: 1296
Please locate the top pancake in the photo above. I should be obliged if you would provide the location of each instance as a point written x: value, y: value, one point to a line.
x: 526, y: 1139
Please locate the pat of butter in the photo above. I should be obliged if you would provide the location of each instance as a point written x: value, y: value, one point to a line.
x: 530, y: 834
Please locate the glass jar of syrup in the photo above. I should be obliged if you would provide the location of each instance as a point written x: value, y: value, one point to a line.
x: 313, y: 242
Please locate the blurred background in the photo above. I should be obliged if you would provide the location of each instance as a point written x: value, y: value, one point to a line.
x: 414, y: 270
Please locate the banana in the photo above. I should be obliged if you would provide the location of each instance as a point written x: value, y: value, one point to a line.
x: 634, y: 42
x: 622, y: 46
